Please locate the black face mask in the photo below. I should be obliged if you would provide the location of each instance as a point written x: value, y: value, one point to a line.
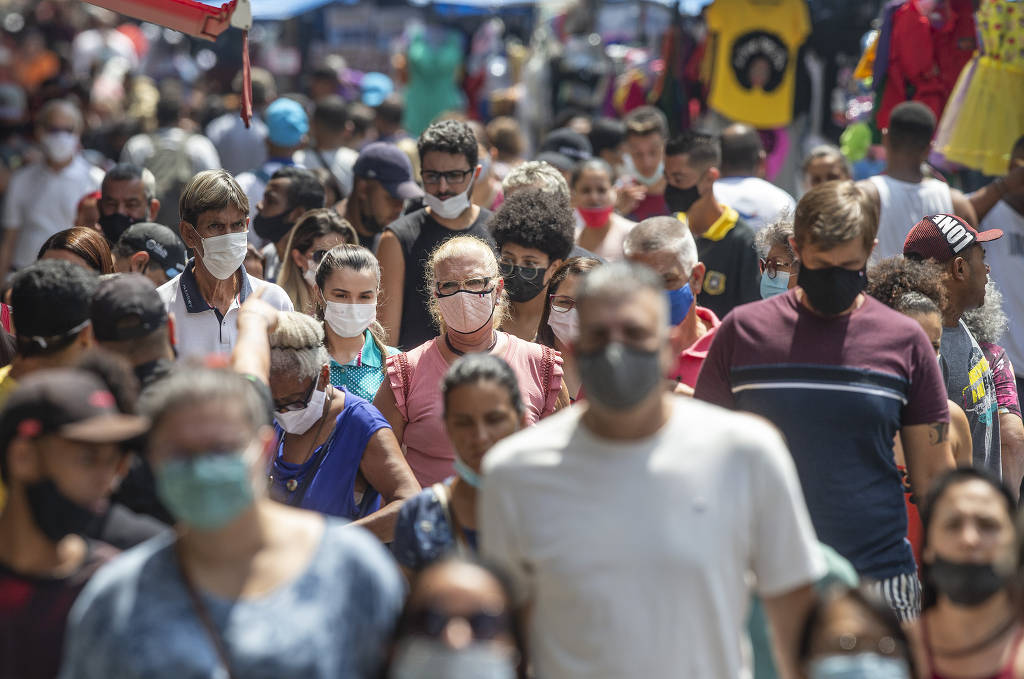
x: 965, y: 584
x: 832, y: 289
x: 681, y: 200
x: 55, y: 514
x: 520, y: 289
x: 116, y: 224
x: 370, y: 223
x: 272, y: 229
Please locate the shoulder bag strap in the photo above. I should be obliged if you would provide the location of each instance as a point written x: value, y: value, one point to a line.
x: 443, y: 493
x: 204, y: 616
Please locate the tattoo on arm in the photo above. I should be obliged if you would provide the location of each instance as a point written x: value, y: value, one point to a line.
x: 938, y: 433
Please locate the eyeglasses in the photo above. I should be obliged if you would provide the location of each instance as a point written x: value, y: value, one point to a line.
x: 300, y: 404
x: 561, y: 302
x: 526, y: 273
x: 475, y: 285
x: 431, y: 622
x: 450, y: 177
x: 772, y: 266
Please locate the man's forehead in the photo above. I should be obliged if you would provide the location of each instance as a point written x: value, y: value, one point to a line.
x: 627, y: 307
x: 225, y: 215
x: 122, y: 186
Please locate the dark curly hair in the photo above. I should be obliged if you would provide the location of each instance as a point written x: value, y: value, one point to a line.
x: 533, y: 218
x: 449, y: 136
x: 891, y: 280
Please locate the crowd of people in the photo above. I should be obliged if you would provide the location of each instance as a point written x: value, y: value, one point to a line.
x: 317, y: 398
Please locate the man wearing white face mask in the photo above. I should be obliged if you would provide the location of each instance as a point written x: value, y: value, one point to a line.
x: 205, y: 298
x: 448, y: 160
x: 42, y: 197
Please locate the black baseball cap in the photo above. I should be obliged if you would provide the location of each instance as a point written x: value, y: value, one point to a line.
x: 565, y: 148
x: 389, y: 165
x: 163, y: 245
x: 50, y: 303
x: 126, y: 307
x: 70, y: 403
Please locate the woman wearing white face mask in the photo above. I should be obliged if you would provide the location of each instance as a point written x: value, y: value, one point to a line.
x: 348, y: 283
x: 467, y: 303
x: 335, y: 452
x: 316, y: 232
x: 559, y: 324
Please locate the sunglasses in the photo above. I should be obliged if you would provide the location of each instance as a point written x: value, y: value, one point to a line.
x: 431, y: 622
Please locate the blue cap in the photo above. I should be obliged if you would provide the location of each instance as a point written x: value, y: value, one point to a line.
x: 286, y: 121
x: 376, y: 87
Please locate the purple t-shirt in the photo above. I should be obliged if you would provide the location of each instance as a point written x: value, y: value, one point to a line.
x: 840, y: 389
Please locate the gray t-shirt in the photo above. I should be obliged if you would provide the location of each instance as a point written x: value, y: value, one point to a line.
x: 970, y: 384
x: 135, y: 619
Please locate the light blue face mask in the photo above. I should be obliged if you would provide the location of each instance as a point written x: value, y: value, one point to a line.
x: 679, y: 302
x: 207, y: 491
x: 466, y: 474
x: 858, y: 666
x: 652, y: 179
x: 774, y: 286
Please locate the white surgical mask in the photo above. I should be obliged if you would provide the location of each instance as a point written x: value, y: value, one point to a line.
x: 349, y: 320
x: 466, y: 312
x: 425, y: 658
x: 59, y: 146
x: 565, y: 325
x: 223, y: 255
x: 450, y: 208
x: 299, y: 421
x: 309, y: 275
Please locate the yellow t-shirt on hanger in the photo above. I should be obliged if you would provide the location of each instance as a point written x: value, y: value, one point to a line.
x: 754, y: 47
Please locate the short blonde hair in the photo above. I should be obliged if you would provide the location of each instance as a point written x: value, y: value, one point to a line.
x: 462, y: 245
x: 211, y: 190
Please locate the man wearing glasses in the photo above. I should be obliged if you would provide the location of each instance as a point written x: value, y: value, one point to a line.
x: 205, y: 298
x: 666, y: 245
x: 448, y: 166
x: 290, y: 193
x: 42, y: 197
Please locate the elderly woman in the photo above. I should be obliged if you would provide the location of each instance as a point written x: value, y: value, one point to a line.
x: 776, y: 260
x: 468, y: 303
x: 316, y: 232
x: 335, y: 453
x: 970, y: 624
x: 245, y: 586
x: 481, y: 406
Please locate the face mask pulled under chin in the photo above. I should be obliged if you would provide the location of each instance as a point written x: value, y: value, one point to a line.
x: 449, y: 208
x: 858, y: 666
x: 423, y: 657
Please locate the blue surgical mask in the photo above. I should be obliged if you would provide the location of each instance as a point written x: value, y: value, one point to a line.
x: 774, y: 286
x: 858, y: 666
x: 679, y: 302
x: 466, y: 474
x: 207, y: 491
x: 651, y: 180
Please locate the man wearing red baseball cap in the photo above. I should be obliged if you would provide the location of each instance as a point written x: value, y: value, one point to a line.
x: 956, y: 246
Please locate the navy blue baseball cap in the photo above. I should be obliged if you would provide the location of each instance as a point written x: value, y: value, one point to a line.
x: 388, y: 164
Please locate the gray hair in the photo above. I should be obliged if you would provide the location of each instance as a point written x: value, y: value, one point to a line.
x: 195, y: 385
x: 619, y: 279
x: 54, y: 104
x: 211, y: 190
x: 539, y: 175
x: 988, y: 323
x: 657, y: 234
x: 777, y: 233
x: 297, y: 346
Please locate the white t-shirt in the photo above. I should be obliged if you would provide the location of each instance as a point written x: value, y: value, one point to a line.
x: 199, y: 329
x: 1006, y: 259
x: 903, y: 206
x: 342, y: 161
x: 200, y: 150
x: 759, y: 202
x: 40, y: 202
x: 637, y: 557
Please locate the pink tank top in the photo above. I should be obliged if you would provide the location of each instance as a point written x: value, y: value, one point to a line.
x: 415, y: 378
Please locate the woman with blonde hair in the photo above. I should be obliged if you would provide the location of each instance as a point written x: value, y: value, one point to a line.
x: 335, y: 453
x: 467, y: 301
x: 347, y: 285
x: 316, y: 232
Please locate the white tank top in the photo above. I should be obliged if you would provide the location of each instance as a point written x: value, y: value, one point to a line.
x: 903, y: 205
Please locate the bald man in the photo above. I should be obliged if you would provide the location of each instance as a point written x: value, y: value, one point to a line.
x: 742, y: 185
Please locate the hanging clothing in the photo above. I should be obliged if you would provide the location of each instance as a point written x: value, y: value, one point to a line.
x: 985, y: 114
x: 434, y: 65
x: 755, y: 47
